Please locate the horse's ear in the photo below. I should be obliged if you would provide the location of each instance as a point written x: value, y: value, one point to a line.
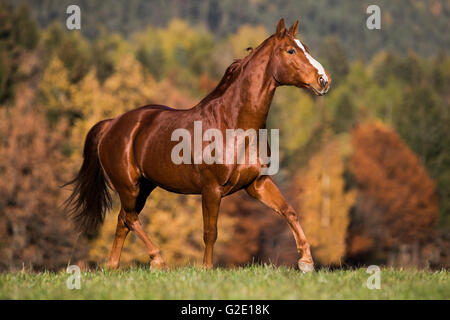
x: 281, y: 28
x: 294, y: 29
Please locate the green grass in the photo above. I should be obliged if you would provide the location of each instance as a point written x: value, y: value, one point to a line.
x: 253, y: 282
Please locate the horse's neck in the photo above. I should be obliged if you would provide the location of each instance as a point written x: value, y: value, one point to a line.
x: 254, y: 90
x: 245, y: 103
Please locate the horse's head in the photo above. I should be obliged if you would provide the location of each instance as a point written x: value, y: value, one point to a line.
x: 292, y: 64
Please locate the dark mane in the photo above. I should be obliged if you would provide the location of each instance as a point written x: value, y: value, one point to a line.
x: 232, y: 73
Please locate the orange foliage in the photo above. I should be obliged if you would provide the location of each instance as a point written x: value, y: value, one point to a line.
x: 33, y: 229
x: 397, y: 201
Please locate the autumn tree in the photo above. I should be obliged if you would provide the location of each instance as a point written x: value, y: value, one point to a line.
x: 55, y: 93
x: 422, y: 120
x: 71, y: 48
x: 397, y: 201
x: 34, y: 230
x: 323, y: 203
x: 18, y: 36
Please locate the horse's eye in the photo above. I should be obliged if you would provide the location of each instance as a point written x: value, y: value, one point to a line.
x: 291, y: 51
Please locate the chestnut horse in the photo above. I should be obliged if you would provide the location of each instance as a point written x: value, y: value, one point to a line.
x: 133, y: 151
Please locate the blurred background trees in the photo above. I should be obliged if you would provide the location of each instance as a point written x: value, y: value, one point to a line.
x: 323, y: 203
x: 19, y: 35
x: 397, y: 203
x: 367, y: 166
x: 418, y: 25
x: 34, y: 233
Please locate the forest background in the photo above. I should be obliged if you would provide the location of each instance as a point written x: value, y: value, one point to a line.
x: 367, y: 167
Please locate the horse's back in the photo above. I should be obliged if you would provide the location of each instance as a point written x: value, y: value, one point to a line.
x: 156, y: 107
x: 126, y: 122
x: 139, y: 133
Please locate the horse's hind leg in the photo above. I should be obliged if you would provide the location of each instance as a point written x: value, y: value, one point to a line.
x: 132, y: 221
x: 121, y: 233
x: 132, y: 199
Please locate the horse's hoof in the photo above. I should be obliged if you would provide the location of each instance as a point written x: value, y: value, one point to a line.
x: 157, y: 263
x: 207, y: 267
x: 112, y: 266
x: 305, y: 267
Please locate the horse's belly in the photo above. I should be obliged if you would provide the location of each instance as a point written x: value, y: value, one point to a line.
x: 191, y: 178
x: 241, y: 177
x: 181, y: 178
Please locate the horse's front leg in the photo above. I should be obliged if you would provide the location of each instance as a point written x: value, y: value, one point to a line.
x: 211, y: 197
x: 265, y: 190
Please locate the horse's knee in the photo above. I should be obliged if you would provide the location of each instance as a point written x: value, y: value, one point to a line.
x: 210, y: 235
x: 289, y: 213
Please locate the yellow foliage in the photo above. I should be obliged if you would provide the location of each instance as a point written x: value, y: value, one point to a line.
x: 126, y: 89
x: 55, y: 87
x: 323, y: 205
x: 180, y: 35
x: 247, y: 36
x: 129, y: 86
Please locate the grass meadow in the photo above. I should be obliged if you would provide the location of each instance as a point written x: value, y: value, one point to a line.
x: 251, y: 282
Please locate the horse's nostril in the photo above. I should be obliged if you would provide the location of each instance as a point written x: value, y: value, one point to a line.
x: 323, y: 82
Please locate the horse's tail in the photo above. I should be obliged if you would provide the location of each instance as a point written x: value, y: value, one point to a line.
x: 90, y: 198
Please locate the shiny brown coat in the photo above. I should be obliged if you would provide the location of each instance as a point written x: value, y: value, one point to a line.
x: 133, y: 151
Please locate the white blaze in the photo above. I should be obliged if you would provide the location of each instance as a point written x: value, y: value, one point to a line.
x: 316, y: 64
